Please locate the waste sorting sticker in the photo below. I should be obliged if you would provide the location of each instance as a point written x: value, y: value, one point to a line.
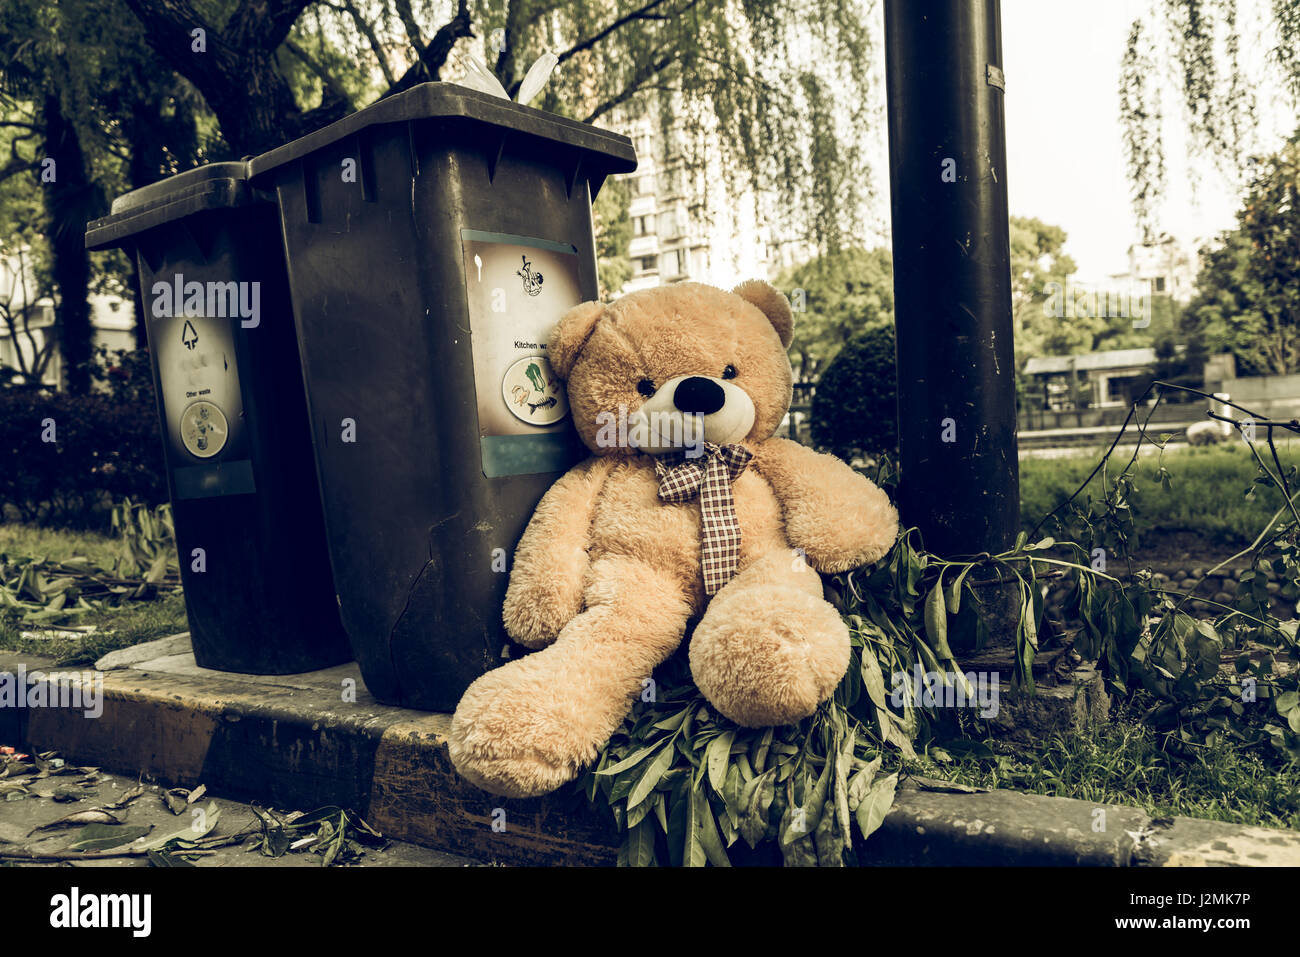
x: 201, y: 403
x: 517, y: 288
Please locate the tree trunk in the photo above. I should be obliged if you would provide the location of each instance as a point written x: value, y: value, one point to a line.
x: 70, y: 201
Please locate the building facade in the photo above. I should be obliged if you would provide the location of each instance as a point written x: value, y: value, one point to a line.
x: 686, y: 226
x: 27, y: 332
x: 1164, y: 267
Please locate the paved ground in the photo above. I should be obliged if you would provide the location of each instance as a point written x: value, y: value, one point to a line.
x: 95, y: 791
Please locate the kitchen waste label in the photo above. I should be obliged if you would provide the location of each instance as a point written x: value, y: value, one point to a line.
x: 202, y: 404
x: 517, y: 288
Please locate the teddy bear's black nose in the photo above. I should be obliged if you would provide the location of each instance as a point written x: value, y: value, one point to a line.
x: 699, y: 395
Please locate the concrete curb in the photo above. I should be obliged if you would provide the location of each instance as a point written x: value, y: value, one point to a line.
x: 302, y: 741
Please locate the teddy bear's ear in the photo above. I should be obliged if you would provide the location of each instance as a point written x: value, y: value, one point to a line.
x: 772, y: 304
x: 570, y: 335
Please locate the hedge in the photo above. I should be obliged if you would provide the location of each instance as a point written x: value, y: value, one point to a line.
x: 855, y: 408
x: 63, y: 458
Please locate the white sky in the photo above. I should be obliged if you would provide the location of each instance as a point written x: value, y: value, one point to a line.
x: 1065, y: 151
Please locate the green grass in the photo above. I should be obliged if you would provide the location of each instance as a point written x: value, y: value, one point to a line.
x: 127, y: 624
x: 117, y: 626
x: 1121, y: 763
x: 1207, y: 496
x: 28, y: 541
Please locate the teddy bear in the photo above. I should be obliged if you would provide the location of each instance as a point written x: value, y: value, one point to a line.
x: 689, y: 509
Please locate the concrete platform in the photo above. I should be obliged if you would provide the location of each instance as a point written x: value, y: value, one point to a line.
x: 298, y: 742
x: 303, y: 741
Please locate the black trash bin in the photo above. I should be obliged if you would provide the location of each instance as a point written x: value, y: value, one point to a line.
x: 249, y: 529
x: 433, y: 239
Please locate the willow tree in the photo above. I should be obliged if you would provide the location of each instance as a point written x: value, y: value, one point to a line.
x: 765, y: 95
x: 82, y: 88
x: 1206, y: 64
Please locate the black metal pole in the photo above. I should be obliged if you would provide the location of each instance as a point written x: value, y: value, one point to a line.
x: 952, y: 274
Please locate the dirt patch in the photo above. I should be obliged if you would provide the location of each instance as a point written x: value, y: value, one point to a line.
x: 1170, y: 549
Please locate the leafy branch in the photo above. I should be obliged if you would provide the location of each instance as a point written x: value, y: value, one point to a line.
x: 687, y: 787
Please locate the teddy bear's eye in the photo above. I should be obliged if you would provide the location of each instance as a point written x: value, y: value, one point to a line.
x: 646, y: 388
x: 729, y: 372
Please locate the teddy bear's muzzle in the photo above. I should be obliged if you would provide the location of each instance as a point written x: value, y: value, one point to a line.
x: 688, y: 410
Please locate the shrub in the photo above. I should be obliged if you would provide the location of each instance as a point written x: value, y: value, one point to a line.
x: 855, y: 408
x: 106, y: 445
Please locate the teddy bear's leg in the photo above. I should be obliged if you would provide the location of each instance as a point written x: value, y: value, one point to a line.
x: 770, y: 648
x: 529, y: 726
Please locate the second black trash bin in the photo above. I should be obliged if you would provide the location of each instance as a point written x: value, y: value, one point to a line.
x: 433, y: 239
x: 236, y: 444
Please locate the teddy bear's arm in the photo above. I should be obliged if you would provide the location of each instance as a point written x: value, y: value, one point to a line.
x: 838, y: 517
x: 546, y: 578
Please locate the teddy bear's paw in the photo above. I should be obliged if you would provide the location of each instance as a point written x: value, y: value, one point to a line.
x: 768, y: 657
x: 510, y: 766
x: 517, y: 775
x: 515, y: 733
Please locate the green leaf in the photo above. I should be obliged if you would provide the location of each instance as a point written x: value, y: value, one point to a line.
x: 801, y: 853
x: 639, y: 846
x: 158, y: 570
x: 936, y: 622
x: 795, y: 834
x: 873, y: 679
x: 654, y: 770
x: 672, y: 723
x: 710, y: 840
x: 635, y: 815
x: 731, y: 790
x: 876, y: 804
x: 623, y: 784
x: 1026, y: 639
x: 693, y: 854
x: 813, y: 806
x: 661, y: 811
x: 952, y: 597
x: 636, y: 757
x: 101, y: 837
x: 717, y: 756
x: 860, y: 783
x: 192, y: 833
x: 756, y: 800
x: 884, y: 723
x: 830, y: 841
x: 760, y: 749
x: 335, y: 845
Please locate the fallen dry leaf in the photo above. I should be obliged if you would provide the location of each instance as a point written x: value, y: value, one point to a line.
x: 127, y: 798
x: 93, y: 816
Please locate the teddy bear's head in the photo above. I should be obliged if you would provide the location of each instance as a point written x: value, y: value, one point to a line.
x: 669, y: 367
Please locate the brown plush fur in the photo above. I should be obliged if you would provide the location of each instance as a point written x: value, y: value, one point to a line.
x: 607, y: 575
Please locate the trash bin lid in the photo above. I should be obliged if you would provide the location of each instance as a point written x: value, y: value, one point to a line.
x: 215, y: 186
x: 611, y: 152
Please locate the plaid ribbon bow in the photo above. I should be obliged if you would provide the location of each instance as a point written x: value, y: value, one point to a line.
x: 711, y: 475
